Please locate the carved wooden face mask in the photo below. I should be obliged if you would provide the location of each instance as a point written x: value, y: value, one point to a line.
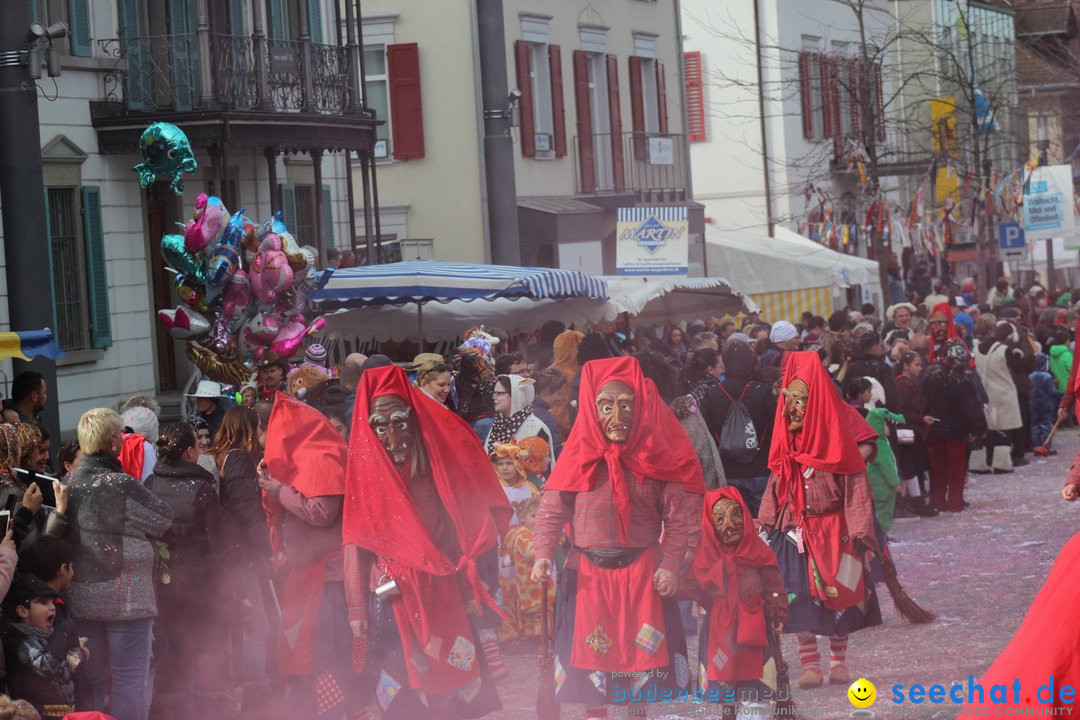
x: 391, y: 420
x: 615, y: 410
x: 796, y: 395
x: 727, y: 521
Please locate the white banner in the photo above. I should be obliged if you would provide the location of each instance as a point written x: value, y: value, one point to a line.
x: 652, y: 241
x: 1048, y: 203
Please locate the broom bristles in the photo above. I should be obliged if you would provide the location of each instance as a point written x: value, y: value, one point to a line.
x: 908, y: 608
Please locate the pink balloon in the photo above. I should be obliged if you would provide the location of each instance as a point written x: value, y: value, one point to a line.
x: 270, y: 274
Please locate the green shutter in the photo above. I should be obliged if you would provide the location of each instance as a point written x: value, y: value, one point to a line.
x: 277, y: 20
x: 315, y: 20
x: 184, y: 54
x: 327, y: 219
x: 79, y: 27
x: 33, y: 11
x: 236, y: 17
x: 288, y: 206
x: 139, y: 77
x: 52, y: 271
x: 97, y: 281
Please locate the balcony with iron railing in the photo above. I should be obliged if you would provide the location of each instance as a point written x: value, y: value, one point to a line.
x: 652, y: 166
x: 190, y: 72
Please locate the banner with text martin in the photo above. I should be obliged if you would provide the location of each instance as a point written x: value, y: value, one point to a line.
x: 652, y: 241
x: 1048, y: 203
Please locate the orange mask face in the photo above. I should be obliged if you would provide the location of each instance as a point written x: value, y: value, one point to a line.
x: 615, y: 410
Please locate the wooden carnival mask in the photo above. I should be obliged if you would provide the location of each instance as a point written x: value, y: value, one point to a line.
x: 727, y: 521
x: 796, y: 395
x: 615, y: 410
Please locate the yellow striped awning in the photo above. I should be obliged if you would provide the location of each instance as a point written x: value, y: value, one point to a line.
x: 791, y: 304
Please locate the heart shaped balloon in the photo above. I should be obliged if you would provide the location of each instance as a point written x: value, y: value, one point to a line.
x: 184, y: 323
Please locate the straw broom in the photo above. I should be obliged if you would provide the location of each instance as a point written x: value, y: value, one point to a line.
x: 908, y: 608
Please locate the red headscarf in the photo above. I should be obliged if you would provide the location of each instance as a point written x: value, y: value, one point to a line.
x: 946, y: 310
x: 716, y: 570
x: 302, y: 450
x: 657, y: 447
x: 379, y: 513
x: 830, y: 436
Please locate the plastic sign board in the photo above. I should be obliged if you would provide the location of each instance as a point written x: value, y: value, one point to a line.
x: 1048, y: 203
x: 1011, y: 241
x: 652, y: 241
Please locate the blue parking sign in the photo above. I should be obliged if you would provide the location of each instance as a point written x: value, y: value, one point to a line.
x: 1011, y: 240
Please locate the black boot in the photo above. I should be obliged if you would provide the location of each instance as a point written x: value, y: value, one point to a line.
x: 921, y: 507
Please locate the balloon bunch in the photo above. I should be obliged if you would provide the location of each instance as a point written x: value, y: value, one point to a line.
x: 242, y: 287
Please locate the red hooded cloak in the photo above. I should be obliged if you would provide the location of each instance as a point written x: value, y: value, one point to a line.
x: 381, y: 517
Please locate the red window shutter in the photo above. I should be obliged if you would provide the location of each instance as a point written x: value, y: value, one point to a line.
x: 525, y: 102
x: 695, y: 96
x: 406, y: 110
x: 661, y: 96
x: 558, y: 108
x: 836, y: 95
x: 855, y: 92
x: 807, y: 94
x: 616, y: 120
x: 637, y: 97
x: 586, y: 153
x: 825, y: 67
x: 879, y: 103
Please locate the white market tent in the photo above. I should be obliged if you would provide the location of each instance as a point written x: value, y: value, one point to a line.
x: 788, y: 274
x: 648, y: 300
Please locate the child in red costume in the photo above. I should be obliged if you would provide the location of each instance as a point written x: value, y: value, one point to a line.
x: 736, y: 580
x: 819, y: 513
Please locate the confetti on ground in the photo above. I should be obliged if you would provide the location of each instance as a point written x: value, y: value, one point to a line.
x: 977, y: 570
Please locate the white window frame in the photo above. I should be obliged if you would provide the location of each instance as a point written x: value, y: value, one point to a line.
x: 378, y: 35
x: 645, y: 48
x: 535, y: 31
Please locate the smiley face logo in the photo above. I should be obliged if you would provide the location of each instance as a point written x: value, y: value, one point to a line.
x: 862, y: 693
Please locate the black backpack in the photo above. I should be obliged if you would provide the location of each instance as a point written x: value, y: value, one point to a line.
x: 738, y: 439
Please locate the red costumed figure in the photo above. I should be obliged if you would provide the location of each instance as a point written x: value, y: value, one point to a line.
x: 736, y: 580
x: 819, y: 512
x: 303, y: 481
x: 942, y: 329
x: 626, y: 471
x: 422, y: 508
x: 1039, y: 670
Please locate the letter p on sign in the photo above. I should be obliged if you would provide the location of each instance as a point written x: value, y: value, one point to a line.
x: 1011, y: 241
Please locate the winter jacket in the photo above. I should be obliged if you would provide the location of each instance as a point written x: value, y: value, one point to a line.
x: 114, y: 522
x: 911, y: 459
x: 952, y: 399
x: 241, y: 499
x: 198, y: 522
x: 1044, y: 392
x: 760, y: 403
x: 875, y: 367
x: 1061, y: 360
x: 41, y: 665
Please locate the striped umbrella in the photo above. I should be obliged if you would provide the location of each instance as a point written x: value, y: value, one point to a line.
x: 422, y: 281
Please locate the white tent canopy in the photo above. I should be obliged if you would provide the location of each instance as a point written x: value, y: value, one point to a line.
x: 648, y: 300
x: 763, y: 264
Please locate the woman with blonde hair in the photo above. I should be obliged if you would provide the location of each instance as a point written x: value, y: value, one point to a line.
x: 237, y: 452
x: 433, y: 376
x: 114, y: 523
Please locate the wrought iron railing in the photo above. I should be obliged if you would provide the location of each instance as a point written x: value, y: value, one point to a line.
x: 653, y: 165
x: 162, y: 73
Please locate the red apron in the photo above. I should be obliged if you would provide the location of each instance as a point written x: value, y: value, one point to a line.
x: 619, y: 618
x: 836, y: 568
